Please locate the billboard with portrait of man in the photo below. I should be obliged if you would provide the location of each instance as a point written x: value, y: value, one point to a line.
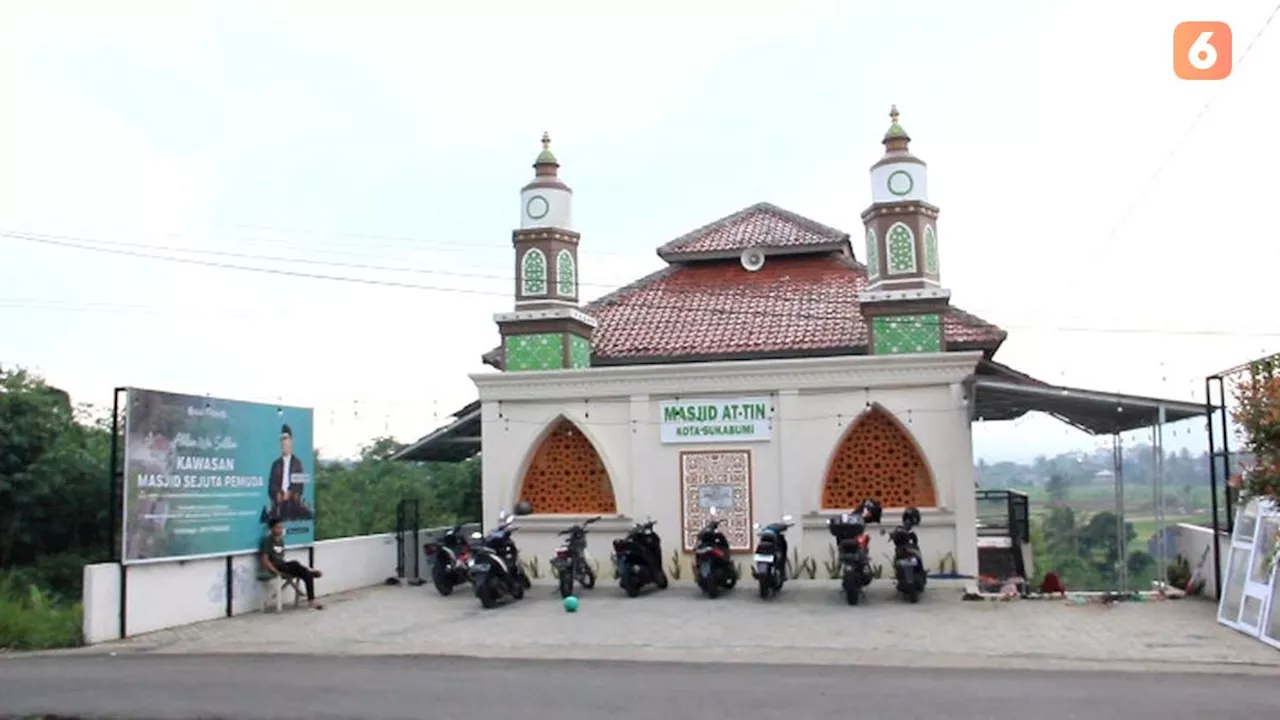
x: 202, y: 476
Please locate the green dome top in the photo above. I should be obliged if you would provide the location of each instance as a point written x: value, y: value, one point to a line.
x: 545, y: 157
x: 895, y: 130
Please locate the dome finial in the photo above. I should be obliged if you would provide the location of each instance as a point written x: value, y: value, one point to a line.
x: 895, y: 133
x: 545, y: 157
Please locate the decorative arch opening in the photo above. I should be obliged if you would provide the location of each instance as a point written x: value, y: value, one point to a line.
x: 533, y: 273
x: 901, y: 249
x: 566, y: 476
x: 566, y: 274
x: 873, y: 255
x: 930, y: 250
x: 877, y: 458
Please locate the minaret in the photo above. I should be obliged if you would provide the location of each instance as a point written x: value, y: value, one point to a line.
x: 904, y: 302
x: 547, y: 330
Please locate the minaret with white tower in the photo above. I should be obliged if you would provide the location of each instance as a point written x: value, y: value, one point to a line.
x: 904, y: 301
x: 547, y: 330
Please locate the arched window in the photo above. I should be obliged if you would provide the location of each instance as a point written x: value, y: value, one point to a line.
x: 533, y: 273
x: 873, y: 255
x: 901, y: 250
x: 566, y: 274
x: 930, y: 251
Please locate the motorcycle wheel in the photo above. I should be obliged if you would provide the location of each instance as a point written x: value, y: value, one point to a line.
x: 440, y: 578
x: 661, y: 579
x: 588, y: 577
x: 913, y: 595
x: 852, y: 588
x: 766, y: 587
x: 488, y: 594
x: 631, y: 585
x: 517, y: 590
x: 525, y: 582
x: 566, y: 583
x: 713, y: 584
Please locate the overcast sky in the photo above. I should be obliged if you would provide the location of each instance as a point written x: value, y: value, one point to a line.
x: 392, y: 135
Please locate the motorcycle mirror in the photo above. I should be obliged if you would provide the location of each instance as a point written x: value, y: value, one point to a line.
x: 755, y: 526
x: 786, y: 518
x: 502, y: 515
x: 713, y: 512
x: 477, y: 536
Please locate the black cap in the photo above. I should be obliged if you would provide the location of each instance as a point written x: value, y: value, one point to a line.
x: 286, y: 430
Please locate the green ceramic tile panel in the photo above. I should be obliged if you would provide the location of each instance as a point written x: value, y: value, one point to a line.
x: 930, y: 251
x: 897, y: 334
x: 544, y: 351
x: 579, y: 352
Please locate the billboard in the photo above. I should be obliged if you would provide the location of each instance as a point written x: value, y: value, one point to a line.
x: 202, y: 475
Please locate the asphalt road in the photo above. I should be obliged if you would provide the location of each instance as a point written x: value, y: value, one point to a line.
x: 372, y: 688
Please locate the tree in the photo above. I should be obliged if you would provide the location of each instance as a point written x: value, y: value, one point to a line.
x: 1257, y: 415
x: 1057, y: 489
x: 55, y: 497
x: 360, y: 498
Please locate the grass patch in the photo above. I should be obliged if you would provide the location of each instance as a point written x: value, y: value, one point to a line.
x: 32, y: 619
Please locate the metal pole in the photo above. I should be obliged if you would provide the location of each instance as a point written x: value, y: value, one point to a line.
x: 112, y: 509
x: 1213, y: 487
x: 1226, y: 454
x: 1122, y: 569
x: 1162, y: 548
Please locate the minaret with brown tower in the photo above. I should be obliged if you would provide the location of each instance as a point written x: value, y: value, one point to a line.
x: 547, y: 330
x: 904, y: 302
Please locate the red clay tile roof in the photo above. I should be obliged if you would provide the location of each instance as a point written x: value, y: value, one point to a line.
x: 796, y: 304
x: 763, y: 226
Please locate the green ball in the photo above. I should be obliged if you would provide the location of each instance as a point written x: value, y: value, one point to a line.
x: 571, y: 604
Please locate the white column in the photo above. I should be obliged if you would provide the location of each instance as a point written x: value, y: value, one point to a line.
x: 963, y: 478
x: 640, y: 439
x: 786, y: 411
x: 496, y: 489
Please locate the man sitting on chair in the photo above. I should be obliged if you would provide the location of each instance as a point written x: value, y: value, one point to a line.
x: 272, y: 559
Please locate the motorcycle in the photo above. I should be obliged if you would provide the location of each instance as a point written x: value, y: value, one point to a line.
x: 712, y: 559
x: 495, y: 568
x: 853, y: 548
x: 637, y: 558
x: 908, y: 563
x: 450, y: 557
x: 769, y: 565
x: 571, y: 562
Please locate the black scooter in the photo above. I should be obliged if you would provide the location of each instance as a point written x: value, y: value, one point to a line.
x: 637, y: 559
x: 496, y: 568
x: 711, y: 557
x: 450, y: 556
x: 908, y: 564
x: 570, y: 561
x: 769, y: 565
x: 853, y: 548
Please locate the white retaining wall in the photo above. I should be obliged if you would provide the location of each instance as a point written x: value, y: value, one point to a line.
x: 1191, y: 541
x: 171, y: 594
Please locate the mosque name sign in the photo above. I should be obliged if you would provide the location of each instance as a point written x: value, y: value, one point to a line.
x: 717, y: 420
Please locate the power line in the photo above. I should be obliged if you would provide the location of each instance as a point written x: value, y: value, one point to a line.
x: 1107, y: 242
x: 733, y: 296
x: 64, y: 239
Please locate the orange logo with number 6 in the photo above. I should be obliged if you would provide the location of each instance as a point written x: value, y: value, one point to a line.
x: 1202, y: 50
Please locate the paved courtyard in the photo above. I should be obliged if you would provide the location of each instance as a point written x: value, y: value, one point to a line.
x: 808, y: 623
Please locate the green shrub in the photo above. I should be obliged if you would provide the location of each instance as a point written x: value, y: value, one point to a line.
x: 31, y: 619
